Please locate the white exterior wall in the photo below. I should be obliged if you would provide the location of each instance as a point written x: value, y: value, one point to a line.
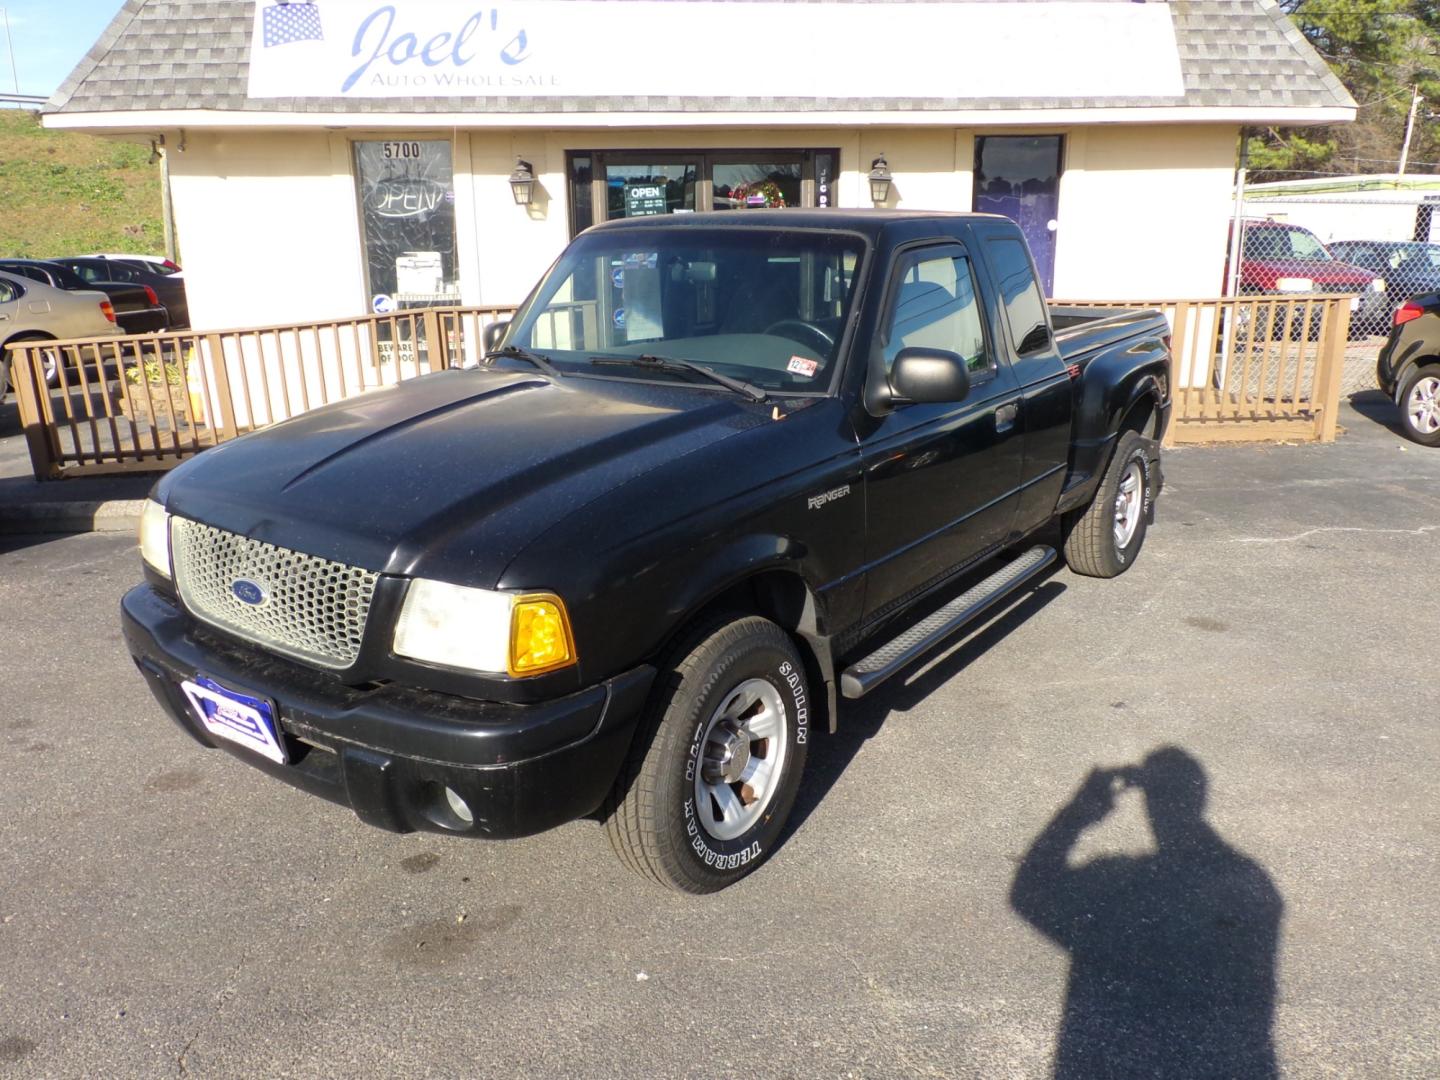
x: 270, y: 232
x: 1144, y: 212
x: 268, y: 227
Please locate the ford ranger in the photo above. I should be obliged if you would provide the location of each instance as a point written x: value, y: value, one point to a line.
x: 720, y: 473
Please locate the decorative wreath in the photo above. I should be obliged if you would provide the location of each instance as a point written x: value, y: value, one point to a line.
x: 774, y: 197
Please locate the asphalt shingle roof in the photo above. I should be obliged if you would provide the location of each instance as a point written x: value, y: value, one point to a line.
x: 195, y: 54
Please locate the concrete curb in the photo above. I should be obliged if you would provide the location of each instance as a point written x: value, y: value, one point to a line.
x: 109, y: 515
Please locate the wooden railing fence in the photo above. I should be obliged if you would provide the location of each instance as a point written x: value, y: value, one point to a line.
x: 146, y: 403
x: 1255, y: 368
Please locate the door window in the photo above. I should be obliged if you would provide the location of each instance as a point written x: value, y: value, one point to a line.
x: 1024, y: 307
x: 771, y: 185
x: 935, y: 308
x: 647, y: 190
x: 407, y: 210
x: 1019, y: 176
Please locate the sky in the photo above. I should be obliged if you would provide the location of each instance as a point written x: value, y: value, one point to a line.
x: 51, y: 37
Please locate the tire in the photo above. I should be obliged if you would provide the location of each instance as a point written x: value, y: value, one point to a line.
x: 1103, y: 539
x: 1419, y: 401
x: 51, y: 368
x: 51, y: 358
x: 663, y: 815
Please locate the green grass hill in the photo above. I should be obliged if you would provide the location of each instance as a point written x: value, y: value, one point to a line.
x: 65, y: 193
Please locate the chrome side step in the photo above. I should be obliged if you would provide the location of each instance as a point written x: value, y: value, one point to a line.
x: 865, y: 675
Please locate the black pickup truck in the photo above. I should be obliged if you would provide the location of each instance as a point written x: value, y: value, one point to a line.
x: 719, y: 473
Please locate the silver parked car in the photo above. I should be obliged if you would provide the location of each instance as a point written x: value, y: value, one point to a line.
x: 30, y: 311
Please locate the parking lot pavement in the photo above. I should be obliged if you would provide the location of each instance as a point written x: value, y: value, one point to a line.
x: 167, y: 911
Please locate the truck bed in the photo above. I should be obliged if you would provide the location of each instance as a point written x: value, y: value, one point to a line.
x: 1081, y: 330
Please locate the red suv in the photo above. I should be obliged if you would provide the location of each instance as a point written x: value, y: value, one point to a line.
x: 1276, y: 257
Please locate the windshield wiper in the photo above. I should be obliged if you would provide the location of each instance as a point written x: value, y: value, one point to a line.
x: 515, y: 352
x: 675, y: 363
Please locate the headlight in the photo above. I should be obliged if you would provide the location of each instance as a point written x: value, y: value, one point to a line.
x: 480, y: 630
x: 155, y: 537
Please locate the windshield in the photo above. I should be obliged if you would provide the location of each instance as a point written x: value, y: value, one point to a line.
x: 1283, y: 243
x: 762, y: 305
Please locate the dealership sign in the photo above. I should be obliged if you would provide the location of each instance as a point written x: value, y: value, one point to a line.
x: 710, y: 49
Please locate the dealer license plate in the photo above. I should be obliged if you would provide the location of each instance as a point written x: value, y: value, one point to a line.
x: 249, y: 721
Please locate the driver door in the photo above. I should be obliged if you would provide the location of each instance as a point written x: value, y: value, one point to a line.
x: 942, y: 480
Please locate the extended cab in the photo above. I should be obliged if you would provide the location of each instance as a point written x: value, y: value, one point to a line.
x: 721, y: 472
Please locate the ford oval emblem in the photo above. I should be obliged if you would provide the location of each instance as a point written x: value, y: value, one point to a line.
x: 249, y: 592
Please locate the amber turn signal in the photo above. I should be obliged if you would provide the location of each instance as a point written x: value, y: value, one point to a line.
x: 540, y: 637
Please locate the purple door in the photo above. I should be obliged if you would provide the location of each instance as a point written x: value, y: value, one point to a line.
x: 1019, y: 176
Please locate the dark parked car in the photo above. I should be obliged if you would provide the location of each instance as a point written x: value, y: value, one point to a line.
x: 1408, y: 267
x: 1409, y: 367
x: 137, y: 307
x: 721, y: 473
x: 169, y: 287
x: 157, y: 263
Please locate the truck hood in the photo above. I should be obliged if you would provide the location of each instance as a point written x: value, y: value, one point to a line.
x: 449, y: 475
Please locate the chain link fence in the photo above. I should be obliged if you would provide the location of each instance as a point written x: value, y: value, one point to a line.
x: 1376, y: 240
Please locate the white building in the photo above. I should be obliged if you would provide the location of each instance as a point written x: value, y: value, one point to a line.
x: 331, y: 156
x: 1374, y: 207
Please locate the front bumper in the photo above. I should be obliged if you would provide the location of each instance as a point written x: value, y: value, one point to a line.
x: 389, y: 752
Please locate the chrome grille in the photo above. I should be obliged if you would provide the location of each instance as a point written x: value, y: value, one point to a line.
x: 309, y: 608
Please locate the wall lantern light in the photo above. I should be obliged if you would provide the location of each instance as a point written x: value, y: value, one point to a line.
x: 522, y: 183
x: 880, y: 180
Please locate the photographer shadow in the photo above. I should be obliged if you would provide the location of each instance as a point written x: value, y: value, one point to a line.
x: 1172, y: 954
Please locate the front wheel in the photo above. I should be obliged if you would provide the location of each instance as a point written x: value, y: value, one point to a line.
x: 1420, y: 405
x: 1104, y: 538
x: 716, y: 764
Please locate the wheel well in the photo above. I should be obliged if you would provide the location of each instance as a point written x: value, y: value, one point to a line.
x: 28, y: 335
x: 782, y: 597
x: 1141, y: 417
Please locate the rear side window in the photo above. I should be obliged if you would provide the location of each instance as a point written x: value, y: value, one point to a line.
x: 1024, y: 306
x: 32, y: 272
x: 9, y: 291
x: 935, y: 308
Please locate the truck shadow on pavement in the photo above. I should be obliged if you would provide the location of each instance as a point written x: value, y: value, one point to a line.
x: 1172, y: 954
x: 860, y: 721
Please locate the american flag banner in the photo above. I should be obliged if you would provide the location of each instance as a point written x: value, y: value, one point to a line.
x: 287, y: 23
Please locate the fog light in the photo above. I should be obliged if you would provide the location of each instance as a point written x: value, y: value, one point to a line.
x: 459, y: 807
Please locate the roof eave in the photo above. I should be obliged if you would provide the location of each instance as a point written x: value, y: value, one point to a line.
x: 203, y: 119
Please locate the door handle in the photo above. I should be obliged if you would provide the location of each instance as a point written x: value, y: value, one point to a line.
x: 1006, y: 415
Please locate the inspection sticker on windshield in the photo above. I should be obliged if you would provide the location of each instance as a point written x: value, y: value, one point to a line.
x: 240, y: 718
x: 800, y: 366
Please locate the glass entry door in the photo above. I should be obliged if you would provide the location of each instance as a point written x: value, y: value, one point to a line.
x: 1019, y: 176
x: 610, y: 184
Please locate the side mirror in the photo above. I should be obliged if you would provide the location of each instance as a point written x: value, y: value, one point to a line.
x: 922, y: 375
x: 494, y: 334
